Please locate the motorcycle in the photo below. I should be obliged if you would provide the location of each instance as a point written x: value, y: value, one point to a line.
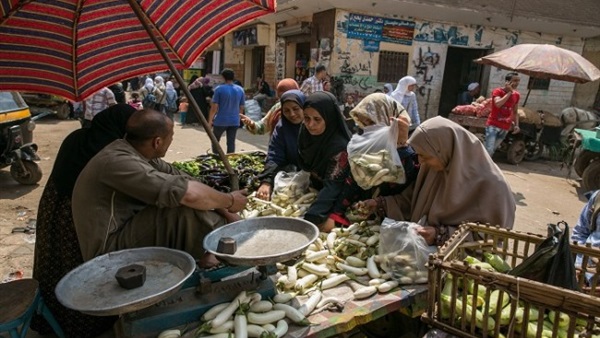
x: 17, y: 149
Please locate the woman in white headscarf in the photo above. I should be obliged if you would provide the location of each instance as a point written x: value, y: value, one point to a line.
x: 404, y: 94
x: 161, y: 94
x: 170, y: 100
x: 148, y: 88
x: 388, y: 89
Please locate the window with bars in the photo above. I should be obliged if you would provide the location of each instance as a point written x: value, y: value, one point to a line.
x: 535, y: 83
x: 392, y: 66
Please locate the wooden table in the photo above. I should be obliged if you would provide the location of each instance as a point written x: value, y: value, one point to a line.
x: 410, y: 300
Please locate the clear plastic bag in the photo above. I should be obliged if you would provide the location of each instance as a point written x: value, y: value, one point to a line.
x: 374, y: 156
x: 403, y: 252
x: 290, y: 185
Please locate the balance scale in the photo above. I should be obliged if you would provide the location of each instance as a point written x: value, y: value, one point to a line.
x: 175, y: 291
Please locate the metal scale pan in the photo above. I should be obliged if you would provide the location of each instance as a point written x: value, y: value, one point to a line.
x: 263, y: 240
x: 93, y: 289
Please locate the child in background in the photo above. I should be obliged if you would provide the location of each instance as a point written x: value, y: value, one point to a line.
x: 183, y: 109
x: 135, y: 101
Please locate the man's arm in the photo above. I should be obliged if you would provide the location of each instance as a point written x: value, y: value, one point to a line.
x: 202, y: 197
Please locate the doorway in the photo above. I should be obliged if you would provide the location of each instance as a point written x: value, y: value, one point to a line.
x: 459, y: 71
x: 258, y: 63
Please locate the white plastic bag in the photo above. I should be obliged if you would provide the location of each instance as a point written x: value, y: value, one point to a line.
x: 403, y: 251
x: 374, y: 156
x: 290, y: 185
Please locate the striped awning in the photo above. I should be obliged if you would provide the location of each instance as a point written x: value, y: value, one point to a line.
x: 72, y: 48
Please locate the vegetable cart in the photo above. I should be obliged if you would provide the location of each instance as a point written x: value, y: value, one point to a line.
x: 587, y: 162
x: 513, y: 145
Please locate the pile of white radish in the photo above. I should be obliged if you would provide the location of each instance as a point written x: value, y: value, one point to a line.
x: 370, y: 170
x: 281, y: 204
x: 342, y: 256
x: 250, y: 316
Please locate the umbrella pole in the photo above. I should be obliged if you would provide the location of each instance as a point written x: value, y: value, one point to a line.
x: 526, y: 97
x: 233, y: 177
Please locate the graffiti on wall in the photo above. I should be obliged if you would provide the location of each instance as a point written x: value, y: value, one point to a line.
x: 357, y: 82
x: 424, y: 62
x: 439, y: 33
x: 348, y: 68
x: 325, y: 52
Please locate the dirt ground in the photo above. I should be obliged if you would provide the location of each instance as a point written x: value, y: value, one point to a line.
x: 542, y: 192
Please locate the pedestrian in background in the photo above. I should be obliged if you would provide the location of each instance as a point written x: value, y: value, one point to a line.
x: 405, y: 95
x: 227, y: 106
x: 161, y: 94
x: 171, y: 100
x: 504, y: 114
x: 388, y: 89
x: 118, y: 92
x: 469, y: 95
x: 183, y: 109
x: 135, y: 101
x: 96, y: 103
x: 314, y: 83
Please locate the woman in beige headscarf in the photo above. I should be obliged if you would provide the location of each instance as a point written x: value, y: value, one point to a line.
x: 457, y: 182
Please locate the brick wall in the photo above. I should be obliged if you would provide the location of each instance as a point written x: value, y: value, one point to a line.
x: 270, y: 75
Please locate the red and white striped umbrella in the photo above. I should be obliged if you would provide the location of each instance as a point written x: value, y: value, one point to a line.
x: 72, y: 48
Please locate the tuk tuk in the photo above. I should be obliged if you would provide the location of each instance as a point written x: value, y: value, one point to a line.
x: 17, y: 149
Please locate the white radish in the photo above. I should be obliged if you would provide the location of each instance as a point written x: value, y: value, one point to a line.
x: 356, y: 262
x: 387, y: 286
x: 319, y: 270
x: 293, y: 314
x: 316, y: 255
x: 283, y: 297
x: 170, y: 334
x: 226, y: 327
x: 372, y: 268
x: 386, y: 276
x: 355, y: 242
x: 261, y: 306
x: 333, y: 281
x: 268, y: 327
x: 220, y: 335
x: 292, y: 275
x: 306, y: 282
x: 282, y: 328
x: 254, y: 298
x: 373, y: 240
x: 224, y: 315
x: 352, y: 269
x: 319, y: 244
x: 301, y: 273
x: 240, y: 326
x: 214, y: 311
x: 255, y: 331
x: 311, y: 303
x: 327, y: 300
x: 376, y: 281
x: 266, y: 317
x: 312, y: 247
x: 365, y: 292
x: 331, y: 240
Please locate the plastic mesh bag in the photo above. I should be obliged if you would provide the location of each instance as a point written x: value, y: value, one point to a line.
x: 290, y: 185
x: 403, y: 251
x: 374, y: 157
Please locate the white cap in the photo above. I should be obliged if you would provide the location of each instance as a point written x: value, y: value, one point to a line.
x: 472, y: 86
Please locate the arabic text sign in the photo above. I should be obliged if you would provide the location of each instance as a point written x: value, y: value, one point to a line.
x: 373, y: 28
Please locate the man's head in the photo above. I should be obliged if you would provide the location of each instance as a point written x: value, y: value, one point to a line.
x: 150, y: 133
x: 513, y: 79
x: 321, y: 72
x: 228, y: 74
x: 473, y: 88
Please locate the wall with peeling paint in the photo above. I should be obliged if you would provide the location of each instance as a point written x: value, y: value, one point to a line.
x: 427, y: 54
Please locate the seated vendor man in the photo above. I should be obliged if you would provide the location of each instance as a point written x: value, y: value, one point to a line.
x: 128, y: 197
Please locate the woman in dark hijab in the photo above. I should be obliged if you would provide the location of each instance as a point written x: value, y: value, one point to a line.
x: 57, y: 248
x: 322, y: 144
x: 283, y: 146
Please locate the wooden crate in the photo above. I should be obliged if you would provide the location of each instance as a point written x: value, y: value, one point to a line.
x: 582, y: 308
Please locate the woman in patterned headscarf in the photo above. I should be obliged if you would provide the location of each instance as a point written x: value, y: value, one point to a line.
x: 457, y: 182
